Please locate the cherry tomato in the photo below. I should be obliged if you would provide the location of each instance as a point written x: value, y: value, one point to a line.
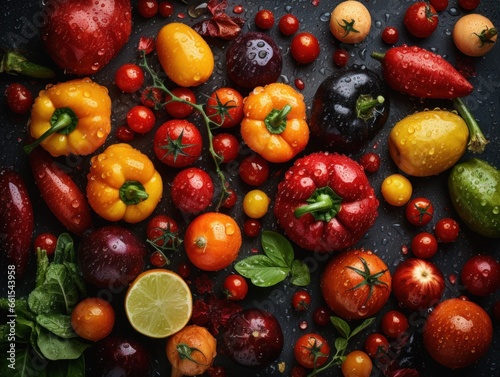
x: 19, y: 98
x: 288, y: 24
x: 158, y: 259
x: 45, y: 241
x: 256, y: 204
x: 340, y: 57
x: 151, y: 97
x: 468, y: 4
x: 440, y: 5
x: 93, y: 318
x: 305, y: 48
x: 321, y: 316
x: 254, y: 170
x: 235, y: 287
x: 394, y: 323
x: 424, y: 245
x: 225, y: 107
x: 166, y: 8
x: 311, y: 350
x: 226, y: 146
x: 192, y: 190
x: 180, y: 110
x: 396, y: 190
x: 184, y: 270
x: 177, y: 143
x: 251, y: 227
x: 390, y: 35
x: 370, y: 162
x: 230, y: 199
x: 162, y: 232
x: 446, y: 230
x: 264, y: 19
x: 301, y: 300
x: 147, y: 8
x: 141, y: 119
x: 376, y: 344
x: 421, y: 19
x: 129, y: 78
x: 124, y: 133
x: 419, y: 211
x: 357, y: 364
x: 481, y: 275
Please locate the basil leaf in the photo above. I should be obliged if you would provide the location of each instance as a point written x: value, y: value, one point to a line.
x: 261, y: 270
x: 300, y: 274
x: 367, y: 322
x: 278, y: 248
x: 58, y: 324
x: 341, y: 326
x: 54, y: 347
x: 340, y: 343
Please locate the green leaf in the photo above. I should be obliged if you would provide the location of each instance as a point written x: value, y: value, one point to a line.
x: 300, y: 274
x: 278, y: 248
x: 65, y: 251
x: 261, y: 270
x: 76, y: 278
x: 367, y: 322
x: 340, y: 344
x: 54, y: 347
x: 24, y: 329
x: 341, y: 326
x: 27, y: 364
x: 58, y: 324
x: 76, y: 367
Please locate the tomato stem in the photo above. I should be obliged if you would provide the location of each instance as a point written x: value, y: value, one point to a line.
x: 477, y: 140
x: 13, y: 62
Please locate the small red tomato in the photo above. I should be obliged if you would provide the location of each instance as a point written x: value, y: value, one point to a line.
x: 390, y: 35
x: 311, y: 350
x: 19, y: 98
x: 264, y: 19
x: 231, y: 199
x: 481, y: 275
x: 424, y: 245
x: 166, y: 8
x: 288, y: 24
x: 46, y: 241
x: 376, y: 344
x: 440, y: 5
x: 446, y: 230
x: 301, y: 300
x: 321, y: 316
x: 225, y: 107
x: 419, y: 211
x: 340, y: 57
x: 141, y: 119
x: 129, y: 78
x: 184, y: 270
x: 192, y: 190
x: 151, y: 97
x: 251, y: 227
x: 226, y: 146
x: 124, y: 133
x: 254, y: 170
x: 162, y: 232
x: 421, y: 19
x: 305, y: 48
x: 235, y: 287
x: 147, y: 8
x: 158, y: 259
x: 394, y: 323
x: 370, y: 162
x: 180, y: 110
x: 468, y: 4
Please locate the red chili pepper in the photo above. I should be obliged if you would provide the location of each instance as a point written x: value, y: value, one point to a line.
x: 61, y: 194
x: 422, y: 73
x: 16, y: 220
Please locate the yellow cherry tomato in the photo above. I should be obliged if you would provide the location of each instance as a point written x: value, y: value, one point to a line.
x: 350, y: 22
x: 474, y: 35
x: 396, y: 190
x: 357, y: 364
x: 184, y: 55
x: 256, y: 204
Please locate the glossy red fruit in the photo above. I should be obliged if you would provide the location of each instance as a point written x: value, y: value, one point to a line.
x: 264, y: 19
x: 481, y: 275
x: 129, y: 77
x: 421, y: 19
x: 192, y: 190
x: 340, y: 57
x: 468, y: 4
x: 45, y: 241
x: 305, y: 48
x: 390, y: 35
x: 376, y: 344
x: 311, y: 350
x: 19, y: 98
x: 235, y: 287
x: 254, y: 170
x: 447, y: 230
x: 394, y: 324
x: 288, y: 24
x: 424, y: 245
x: 440, y: 5
x: 419, y: 211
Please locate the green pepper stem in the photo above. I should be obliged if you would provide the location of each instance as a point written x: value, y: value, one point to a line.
x: 13, y: 62
x: 365, y: 105
x: 477, y: 140
x: 276, y: 120
x: 323, y: 204
x: 64, y: 121
x: 133, y: 192
x: 377, y: 55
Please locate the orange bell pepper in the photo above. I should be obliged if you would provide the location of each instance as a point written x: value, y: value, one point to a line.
x: 275, y: 124
x: 123, y: 184
x: 72, y: 117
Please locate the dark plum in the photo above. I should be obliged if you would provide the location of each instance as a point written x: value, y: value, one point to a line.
x: 253, y: 338
x: 111, y: 257
x: 253, y: 59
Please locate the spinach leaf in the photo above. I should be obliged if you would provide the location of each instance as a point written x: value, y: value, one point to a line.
x: 54, y: 347
x: 58, y: 324
x: 42, y: 263
x: 65, y: 251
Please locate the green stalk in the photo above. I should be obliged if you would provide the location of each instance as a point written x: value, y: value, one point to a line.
x: 13, y: 62
x: 477, y: 140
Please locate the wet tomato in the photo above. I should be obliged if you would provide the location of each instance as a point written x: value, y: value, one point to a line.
x: 141, y: 119
x: 225, y: 107
x: 311, y: 350
x: 166, y: 8
x: 301, y: 300
x: 147, y: 8
x: 419, y: 211
x: 264, y: 19
x: 251, y: 227
x: 370, y: 162
x: 394, y: 324
x: 192, y: 190
x: 340, y: 57
x: 424, y: 245
x: 45, y: 241
x: 255, y: 204
x: 226, y: 146
x: 481, y: 275
x: 235, y: 287
x: 376, y: 344
x: 129, y: 78
x: 357, y: 364
x: 19, y: 98
x: 125, y: 134
x: 151, y: 97
x: 447, y: 230
x: 288, y: 24
x: 93, y: 318
x: 440, y: 5
x: 390, y: 35
x: 305, y: 48
x: 254, y: 170
x: 180, y: 110
x: 421, y: 19
x: 162, y: 232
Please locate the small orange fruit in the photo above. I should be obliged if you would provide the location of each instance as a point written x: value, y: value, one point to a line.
x: 93, y: 318
x: 212, y: 241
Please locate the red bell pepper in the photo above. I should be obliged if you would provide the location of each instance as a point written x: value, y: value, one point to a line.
x: 325, y: 203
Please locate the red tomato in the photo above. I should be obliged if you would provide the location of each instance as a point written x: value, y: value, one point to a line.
x: 419, y: 211
x: 254, y: 170
x: 390, y: 35
x: 235, y: 287
x: 356, y: 284
x: 226, y: 146
x: 446, y: 230
x: 192, y: 190
x: 231, y: 199
x: 311, y: 350
x: 225, y: 107
x: 163, y: 232
x: 45, y: 241
x: 421, y: 19
x: 19, y: 98
x: 417, y: 284
x: 457, y: 333
x: 424, y: 245
x: 394, y: 323
x: 180, y: 110
x: 305, y: 48
x: 301, y: 300
x: 151, y: 97
x: 141, y: 119
x: 440, y: 5
x: 370, y: 162
x: 468, y: 4
x: 129, y: 78
x: 264, y: 19
x: 147, y: 8
x: 321, y: 316
x: 288, y: 24
x: 124, y: 133
x: 251, y: 227
x: 177, y: 143
x: 376, y: 344
x: 166, y: 8
x: 158, y: 259
x: 340, y: 57
x: 481, y: 275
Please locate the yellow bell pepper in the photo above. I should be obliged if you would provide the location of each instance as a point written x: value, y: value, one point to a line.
x: 123, y: 184
x: 72, y: 117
